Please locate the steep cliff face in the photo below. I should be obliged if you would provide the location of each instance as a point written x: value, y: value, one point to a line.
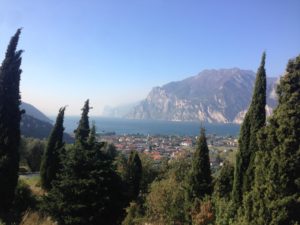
x: 221, y: 96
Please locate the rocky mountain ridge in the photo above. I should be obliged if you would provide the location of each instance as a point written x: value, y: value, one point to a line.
x: 215, y: 96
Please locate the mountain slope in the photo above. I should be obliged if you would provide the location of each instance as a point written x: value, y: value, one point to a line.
x: 34, y: 112
x: 36, y: 124
x: 118, y: 111
x: 35, y: 128
x: 211, y: 96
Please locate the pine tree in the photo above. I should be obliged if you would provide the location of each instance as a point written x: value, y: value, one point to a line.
x: 134, y: 174
x: 70, y: 201
x: 92, y: 136
x: 275, y: 198
x: 87, y: 190
x: 10, y: 116
x: 254, y: 120
x: 199, y: 181
x: 51, y: 161
x: 83, y: 130
x: 223, y: 184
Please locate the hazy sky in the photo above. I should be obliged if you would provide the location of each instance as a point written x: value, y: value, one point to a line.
x: 114, y: 51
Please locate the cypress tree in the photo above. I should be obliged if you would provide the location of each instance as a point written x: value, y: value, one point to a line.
x: 10, y: 116
x: 134, y: 174
x: 223, y: 184
x: 275, y: 198
x: 92, y: 136
x: 199, y: 181
x: 51, y: 161
x: 83, y: 130
x: 254, y: 120
x: 87, y: 190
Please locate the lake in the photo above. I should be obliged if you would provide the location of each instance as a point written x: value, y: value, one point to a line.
x: 152, y: 127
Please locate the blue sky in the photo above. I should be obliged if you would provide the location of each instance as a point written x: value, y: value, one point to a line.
x: 114, y: 51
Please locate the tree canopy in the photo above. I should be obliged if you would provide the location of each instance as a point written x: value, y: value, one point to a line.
x: 10, y: 117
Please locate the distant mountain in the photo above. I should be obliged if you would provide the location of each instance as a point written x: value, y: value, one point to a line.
x: 34, y: 112
x: 32, y: 127
x: 221, y: 96
x: 118, y: 111
x: 36, y: 124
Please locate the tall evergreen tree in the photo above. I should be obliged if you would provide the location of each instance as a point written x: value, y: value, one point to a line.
x: 199, y: 181
x: 223, y: 183
x: 134, y: 174
x: 92, y: 136
x: 83, y: 130
x: 51, y: 161
x: 87, y: 190
x: 10, y: 117
x: 275, y: 198
x: 254, y: 120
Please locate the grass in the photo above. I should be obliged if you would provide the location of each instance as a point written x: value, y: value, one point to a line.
x: 34, y: 184
x: 35, y: 218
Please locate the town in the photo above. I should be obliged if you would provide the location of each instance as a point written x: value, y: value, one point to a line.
x: 161, y: 147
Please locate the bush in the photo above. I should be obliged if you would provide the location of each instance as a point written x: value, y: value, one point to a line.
x: 134, y: 214
x: 202, y: 213
x: 31, y: 151
x: 24, y: 198
x: 23, y: 201
x: 35, y: 149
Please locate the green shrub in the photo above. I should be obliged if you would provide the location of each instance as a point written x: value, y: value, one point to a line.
x: 24, y: 198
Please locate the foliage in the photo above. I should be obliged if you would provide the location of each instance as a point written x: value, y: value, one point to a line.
x: 87, y: 190
x: 202, y: 212
x: 10, y: 117
x: 150, y: 169
x: 253, y: 121
x: 166, y: 195
x: 199, y: 180
x: 92, y: 136
x: 275, y: 198
x: 33, y: 153
x: 164, y: 202
x: 134, y: 214
x: 120, y: 163
x: 34, y: 183
x: 110, y: 150
x: 24, y: 199
x: 51, y: 161
x: 224, y: 211
x: 150, y: 172
x: 224, y: 181
x: 83, y: 130
x: 134, y: 174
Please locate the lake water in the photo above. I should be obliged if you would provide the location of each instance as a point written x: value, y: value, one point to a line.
x: 152, y: 127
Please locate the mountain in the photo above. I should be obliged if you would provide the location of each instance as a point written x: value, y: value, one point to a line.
x: 34, y: 112
x: 221, y: 96
x: 118, y: 111
x: 36, y: 124
x: 35, y: 128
